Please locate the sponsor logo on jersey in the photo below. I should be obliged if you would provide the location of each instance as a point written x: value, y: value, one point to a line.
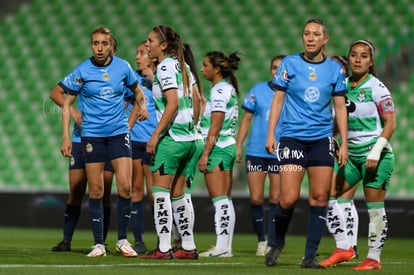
x: 285, y: 75
x: 166, y: 81
x: 312, y: 94
x: 107, y: 92
x: 386, y: 106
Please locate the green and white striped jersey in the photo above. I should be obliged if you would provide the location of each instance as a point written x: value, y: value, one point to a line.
x: 365, y: 104
x: 223, y: 98
x: 169, y: 76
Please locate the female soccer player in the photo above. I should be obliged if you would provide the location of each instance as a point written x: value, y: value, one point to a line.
x: 259, y: 163
x: 78, y: 180
x: 218, y: 127
x: 305, y: 84
x: 198, y: 105
x: 342, y: 216
x: 372, y: 122
x: 172, y: 142
x: 100, y: 82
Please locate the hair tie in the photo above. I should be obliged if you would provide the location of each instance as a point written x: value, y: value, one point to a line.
x: 162, y: 33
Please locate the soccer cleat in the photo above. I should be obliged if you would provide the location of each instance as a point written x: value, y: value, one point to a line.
x: 124, y: 247
x: 98, y: 250
x: 272, y: 256
x: 368, y: 264
x: 261, y: 248
x: 310, y: 262
x: 140, y: 247
x: 156, y: 254
x: 214, y: 252
x: 338, y: 256
x: 63, y: 246
x: 181, y: 253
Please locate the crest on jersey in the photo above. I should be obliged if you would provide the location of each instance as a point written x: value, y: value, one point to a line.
x: 312, y: 75
x: 105, y: 76
x: 361, y: 96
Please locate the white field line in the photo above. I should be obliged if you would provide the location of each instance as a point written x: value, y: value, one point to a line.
x: 152, y: 264
x: 113, y: 265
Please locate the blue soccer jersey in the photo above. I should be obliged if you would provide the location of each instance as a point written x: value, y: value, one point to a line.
x: 258, y: 102
x: 142, y: 130
x: 309, y: 89
x: 101, y: 89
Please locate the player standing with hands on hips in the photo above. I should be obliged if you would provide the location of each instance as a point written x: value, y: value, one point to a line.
x: 305, y: 85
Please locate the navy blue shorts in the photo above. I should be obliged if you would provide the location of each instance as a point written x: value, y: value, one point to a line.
x: 101, y: 149
x: 139, y: 151
x: 77, y: 161
x: 260, y: 164
x: 306, y: 153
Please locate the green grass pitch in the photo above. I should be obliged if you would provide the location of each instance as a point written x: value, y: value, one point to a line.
x: 28, y: 251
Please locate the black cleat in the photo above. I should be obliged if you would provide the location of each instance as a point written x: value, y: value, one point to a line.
x: 140, y: 247
x: 310, y: 262
x: 63, y: 246
x: 272, y: 256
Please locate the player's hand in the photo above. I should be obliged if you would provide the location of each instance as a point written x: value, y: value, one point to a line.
x: 142, y: 114
x: 342, y: 155
x: 371, y: 164
x: 152, y: 144
x: 66, y: 148
x: 271, y: 145
x: 202, y: 164
x: 239, y: 154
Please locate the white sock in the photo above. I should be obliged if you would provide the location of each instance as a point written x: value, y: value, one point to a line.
x: 163, y: 218
x: 377, y: 232
x: 353, y: 239
x: 191, y: 207
x: 231, y: 224
x: 222, y: 222
x: 335, y: 221
x: 182, y: 218
x: 346, y: 207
